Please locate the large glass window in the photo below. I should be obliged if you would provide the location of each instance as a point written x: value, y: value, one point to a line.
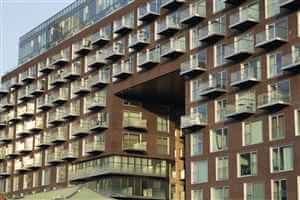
x: 279, y: 189
x: 199, y: 171
x: 218, y: 5
x: 247, y: 164
x: 220, y: 193
x: 277, y: 126
x: 274, y: 64
x: 220, y: 106
x: 162, y: 145
x: 196, y: 143
x: 254, y: 191
x: 220, y: 54
x: 219, y: 139
x: 272, y: 7
x: 282, y: 158
x: 253, y: 132
x: 163, y: 124
x: 197, y: 194
x: 222, y: 168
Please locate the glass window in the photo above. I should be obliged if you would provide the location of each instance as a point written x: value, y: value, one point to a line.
x: 163, y: 124
x: 220, y: 109
x: 282, y: 158
x: 16, y: 184
x: 277, y: 127
x: 247, y: 164
x: 272, y: 8
x: 197, y: 194
x: 196, y: 143
x: 220, y: 193
x: 253, y: 132
x: 219, y: 5
x: 199, y: 171
x: 297, y: 122
x: 254, y: 191
x: 222, y: 168
x: 274, y: 64
x: 219, y: 139
x: 220, y: 54
x: 279, y: 188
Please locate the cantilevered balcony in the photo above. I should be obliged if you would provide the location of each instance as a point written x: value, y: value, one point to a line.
x: 15, y: 84
x: 244, y: 107
x: 4, y: 90
x: 96, y: 60
x: 124, y: 24
x: 70, y: 154
x: 80, y: 128
x: 272, y: 37
x: 101, y: 38
x: 82, y: 48
x: 22, y: 130
x: 135, y: 146
x: 245, y: 77
x: 58, y: 135
x: 2, y: 154
x: 6, y: 103
x: 35, y: 163
x: 193, y: 121
x: 193, y: 66
x: 99, y: 122
x: 148, y: 58
x: 55, y: 158
x: 291, y: 61
x: 99, y: 79
x: 80, y: 87
x: 59, y: 96
x: 240, y: 49
x: 139, y: 40
x: 173, y: 48
x: 233, y: 2
x: 212, y: 87
x: 72, y: 72
x: 289, y: 4
x: 7, y: 137
x: 44, y: 142
x: 95, y: 147
x: 46, y: 68
x: 44, y: 103
x: 244, y: 18
x: 28, y: 76
x: 115, y: 52
x: 133, y: 123
x: 194, y: 13
x: 37, y: 125
x: 56, y: 79
x: 24, y: 94
x: 26, y: 110
x: 122, y: 70
x: 24, y: 148
x: 212, y: 32
x: 60, y: 60
x: 37, y: 88
x: 96, y: 102
x: 71, y: 111
x: 171, y: 4
x: 20, y: 168
x: 273, y: 100
x: 13, y: 118
x: 4, y: 173
x: 169, y: 25
x: 55, y: 117
x: 3, y: 121
x: 148, y: 11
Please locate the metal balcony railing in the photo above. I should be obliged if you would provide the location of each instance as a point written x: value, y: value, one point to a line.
x: 96, y: 60
x: 95, y: 147
x: 124, y: 24
x: 173, y: 48
x: 28, y: 75
x: 72, y: 71
x: 56, y: 116
x: 214, y: 30
x: 60, y: 59
x: 115, y: 51
x: 193, y: 120
x: 244, y: 106
x: 80, y: 87
x: 139, y: 39
x: 98, y: 122
x: 193, y: 13
x: 100, y: 38
x: 45, y: 68
x: 239, y: 49
x: 122, y: 70
x: 70, y: 154
x: 80, y: 128
x: 244, y: 18
x: 101, y: 78
x: 4, y: 89
x: 58, y: 96
x: 171, y: 4
x: 148, y: 11
x: 55, y: 157
x: 35, y: 163
x: 148, y: 58
x: 59, y: 134
x: 134, y: 146
x: 271, y: 35
x: 131, y: 122
x: 37, y: 88
x: 71, y: 111
x: 193, y: 65
x: 169, y: 25
x: 211, y: 86
x: 83, y: 47
x: 270, y: 99
x: 291, y: 60
x: 249, y: 74
x: 96, y: 102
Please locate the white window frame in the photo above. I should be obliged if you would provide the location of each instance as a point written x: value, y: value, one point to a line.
x: 239, y: 166
x: 271, y: 158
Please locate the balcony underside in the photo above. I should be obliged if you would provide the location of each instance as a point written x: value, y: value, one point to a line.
x: 59, y: 101
x: 45, y: 107
x: 44, y: 145
x: 61, y: 62
x: 58, y: 140
x: 173, y: 53
x: 16, y: 85
x: 138, y: 45
x: 80, y: 133
x: 55, y: 162
x: 25, y: 98
x: 70, y: 116
x: 123, y: 30
x: 7, y: 106
x: 172, y: 4
x: 46, y: 70
x: 193, y: 127
x: 58, y: 82
x: 212, y: 37
x: 96, y: 64
x: 34, y: 167
x: 149, y: 16
x: 122, y: 75
x: 271, y: 44
x: 56, y: 121
x: 6, y: 140
x: 239, y: 55
x: 240, y: 114
x: 192, y: 20
x: 99, y: 84
x: 24, y: 133
x: 133, y: 150
x: 3, y: 92
x: 94, y: 151
x: 291, y: 67
x: 290, y: 4
x: 4, y: 174
x: 114, y: 56
x: 27, y: 115
x: 83, y: 51
x: 244, y: 25
x: 96, y: 107
x: 273, y: 106
x: 69, y: 158
x: 15, y: 119
x: 37, y: 92
x: 82, y: 91
x: 169, y: 31
x: 98, y: 128
x: 35, y: 129
x: 192, y: 72
x: 234, y: 2
x: 3, y: 125
x: 28, y: 79
x: 244, y: 83
x: 100, y: 42
x: 25, y: 151
x: 135, y: 128
x: 148, y: 64
x: 71, y: 76
x: 213, y: 92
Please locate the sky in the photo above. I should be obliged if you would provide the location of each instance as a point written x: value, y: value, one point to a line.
x: 18, y: 17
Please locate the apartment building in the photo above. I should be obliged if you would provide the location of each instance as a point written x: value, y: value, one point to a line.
x: 156, y: 99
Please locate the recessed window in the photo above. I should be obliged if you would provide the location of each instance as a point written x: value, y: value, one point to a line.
x: 196, y: 143
x: 219, y: 139
x: 247, y: 164
x: 253, y: 133
x: 277, y: 127
x: 163, y: 124
x: 218, y: 5
x: 199, y: 172
x: 282, y: 158
x: 220, y: 193
x: 254, y: 191
x: 279, y: 189
x: 222, y: 168
x: 197, y: 194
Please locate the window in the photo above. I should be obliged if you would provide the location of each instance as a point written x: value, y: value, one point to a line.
x: 46, y: 176
x: 279, y: 189
x: 222, y: 168
x: 253, y: 132
x: 297, y: 122
x: 162, y: 145
x: 163, y: 124
x: 220, y: 193
x: 219, y: 139
x: 60, y: 174
x: 220, y: 54
x: 220, y: 106
x: 272, y: 8
x: 254, y: 191
x: 280, y: 89
x: 196, y: 143
x: 194, y: 41
x: 199, y: 171
x: 274, y: 64
x: 218, y: 5
x: 197, y: 194
x: 247, y: 164
x: 16, y: 183
x: 277, y: 127
x: 36, y: 176
x: 282, y: 158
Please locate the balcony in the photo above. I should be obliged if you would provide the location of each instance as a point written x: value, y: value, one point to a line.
x: 193, y: 121
x: 173, y: 48
x: 4, y: 173
x: 193, y: 14
x: 56, y: 79
x: 13, y: 118
x: 71, y: 112
x: 122, y: 70
x: 69, y: 155
x: 24, y: 94
x: 96, y: 60
x: 55, y: 117
x: 244, y: 18
x: 34, y: 165
x: 44, y: 142
x: 3, y: 90
x: 243, y: 108
x: 124, y: 24
x: 169, y: 26
x: 192, y: 67
x: 95, y: 148
x: 135, y: 147
x: 81, y: 87
x: 96, y: 103
x: 38, y: 125
x: 60, y: 60
x: 3, y: 121
x: 289, y: 4
x: 101, y: 38
x: 233, y: 2
x: 273, y: 100
x: 72, y: 72
x: 139, y: 40
x: 26, y: 111
x: 6, y: 138
x: 46, y: 68
x: 7, y: 104
x: 272, y: 37
x: 98, y: 122
x: 22, y: 131
x: 58, y: 135
x: 148, y: 12
x: 239, y: 50
x: 15, y: 84
x: 171, y: 4
x: 80, y: 128
x: 134, y: 123
x: 37, y: 88
x: 25, y: 149
x: 55, y: 158
x: 148, y: 59
x: 115, y: 52
x: 83, y: 48
x: 212, y: 32
x: 99, y: 79
x: 290, y: 61
x: 59, y: 96
x: 28, y: 76
x: 11, y: 154
x: 245, y: 77
x: 44, y: 103
x: 213, y: 87
x: 2, y: 154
